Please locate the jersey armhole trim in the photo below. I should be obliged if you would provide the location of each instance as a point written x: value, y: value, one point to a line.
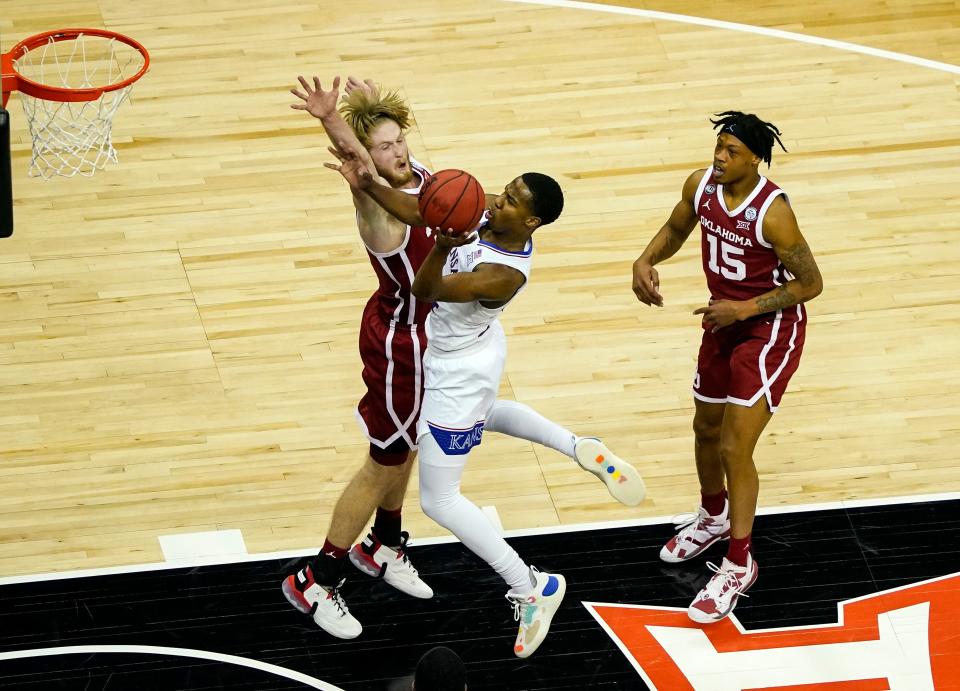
x: 763, y: 213
x: 699, y: 194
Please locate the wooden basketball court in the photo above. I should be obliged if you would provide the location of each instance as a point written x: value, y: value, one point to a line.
x: 178, y: 342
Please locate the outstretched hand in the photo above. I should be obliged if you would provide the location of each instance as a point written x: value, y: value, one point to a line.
x: 351, y: 167
x: 367, y: 86
x: 316, y: 101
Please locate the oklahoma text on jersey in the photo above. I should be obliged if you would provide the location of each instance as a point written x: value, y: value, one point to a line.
x: 740, y: 265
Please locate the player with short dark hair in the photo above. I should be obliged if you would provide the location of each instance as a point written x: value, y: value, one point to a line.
x: 440, y: 669
x: 472, y: 277
x: 393, y: 341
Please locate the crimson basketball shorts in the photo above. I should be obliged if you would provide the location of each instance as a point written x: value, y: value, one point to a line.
x: 392, y: 356
x: 752, y: 359
x: 461, y: 388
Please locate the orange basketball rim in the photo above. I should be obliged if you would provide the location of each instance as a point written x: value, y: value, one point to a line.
x: 13, y: 80
x: 71, y: 84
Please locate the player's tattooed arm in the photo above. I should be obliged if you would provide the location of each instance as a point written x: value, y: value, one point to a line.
x: 776, y: 299
x: 781, y: 230
x: 799, y: 261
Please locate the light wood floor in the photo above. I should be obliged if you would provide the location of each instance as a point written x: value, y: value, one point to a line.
x: 178, y: 333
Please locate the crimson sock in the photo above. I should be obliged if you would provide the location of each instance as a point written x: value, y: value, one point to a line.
x: 739, y: 549
x: 386, y: 527
x: 328, y: 565
x: 714, y: 503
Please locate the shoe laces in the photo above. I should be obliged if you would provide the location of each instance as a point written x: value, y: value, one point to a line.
x: 337, y: 599
x: 402, y: 553
x: 519, y: 604
x: 686, y: 524
x: 724, y: 580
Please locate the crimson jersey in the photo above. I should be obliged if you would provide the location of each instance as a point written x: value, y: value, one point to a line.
x: 738, y: 262
x: 395, y: 270
x: 393, y: 340
x: 755, y: 358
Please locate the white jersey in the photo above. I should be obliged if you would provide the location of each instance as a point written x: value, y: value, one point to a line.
x: 456, y: 326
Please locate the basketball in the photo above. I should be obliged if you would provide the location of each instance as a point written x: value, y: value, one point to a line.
x: 453, y: 199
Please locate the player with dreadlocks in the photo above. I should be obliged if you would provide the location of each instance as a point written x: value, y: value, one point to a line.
x: 759, y: 272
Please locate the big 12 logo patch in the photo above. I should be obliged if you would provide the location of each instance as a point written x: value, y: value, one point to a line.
x: 905, y: 639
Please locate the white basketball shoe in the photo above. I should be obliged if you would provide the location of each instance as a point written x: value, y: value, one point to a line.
x: 719, y: 596
x: 535, y: 611
x: 376, y: 559
x: 327, y: 607
x: 622, y: 479
x: 695, y: 533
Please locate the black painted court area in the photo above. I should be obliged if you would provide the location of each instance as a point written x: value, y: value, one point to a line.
x: 808, y: 562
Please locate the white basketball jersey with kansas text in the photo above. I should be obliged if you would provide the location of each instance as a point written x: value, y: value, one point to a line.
x: 457, y: 326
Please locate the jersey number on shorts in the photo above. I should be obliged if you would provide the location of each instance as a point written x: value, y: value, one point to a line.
x: 732, y: 268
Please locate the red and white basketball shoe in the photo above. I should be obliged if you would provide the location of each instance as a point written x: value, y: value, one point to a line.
x: 695, y: 533
x: 376, y: 559
x: 328, y: 609
x: 719, y: 596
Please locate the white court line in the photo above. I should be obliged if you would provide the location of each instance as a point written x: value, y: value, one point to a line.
x: 175, y: 652
x: 748, y: 29
x: 183, y: 547
x: 525, y: 532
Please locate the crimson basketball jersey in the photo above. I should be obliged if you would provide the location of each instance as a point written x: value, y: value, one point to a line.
x: 738, y: 262
x: 393, y: 340
x: 395, y: 270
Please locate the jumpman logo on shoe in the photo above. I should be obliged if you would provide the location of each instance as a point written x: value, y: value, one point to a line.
x: 324, y: 604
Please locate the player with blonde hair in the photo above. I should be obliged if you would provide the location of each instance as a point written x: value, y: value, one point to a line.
x: 393, y: 344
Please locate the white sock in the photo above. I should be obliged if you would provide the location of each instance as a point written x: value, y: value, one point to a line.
x: 441, y: 500
x: 522, y: 421
x: 516, y: 573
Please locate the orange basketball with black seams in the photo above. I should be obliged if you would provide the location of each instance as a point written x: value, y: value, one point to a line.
x: 453, y: 199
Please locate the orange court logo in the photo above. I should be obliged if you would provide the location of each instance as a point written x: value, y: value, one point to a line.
x: 904, y: 639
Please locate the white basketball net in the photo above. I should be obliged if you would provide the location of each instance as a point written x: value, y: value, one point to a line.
x: 71, y: 138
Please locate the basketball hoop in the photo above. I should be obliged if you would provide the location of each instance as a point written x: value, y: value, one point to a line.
x: 71, y: 82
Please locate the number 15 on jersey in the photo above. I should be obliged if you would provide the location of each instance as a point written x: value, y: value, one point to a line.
x: 723, y: 259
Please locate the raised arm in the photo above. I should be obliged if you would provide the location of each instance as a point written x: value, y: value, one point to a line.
x: 669, y: 239
x: 399, y: 206
x: 323, y: 106
x: 380, y: 231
